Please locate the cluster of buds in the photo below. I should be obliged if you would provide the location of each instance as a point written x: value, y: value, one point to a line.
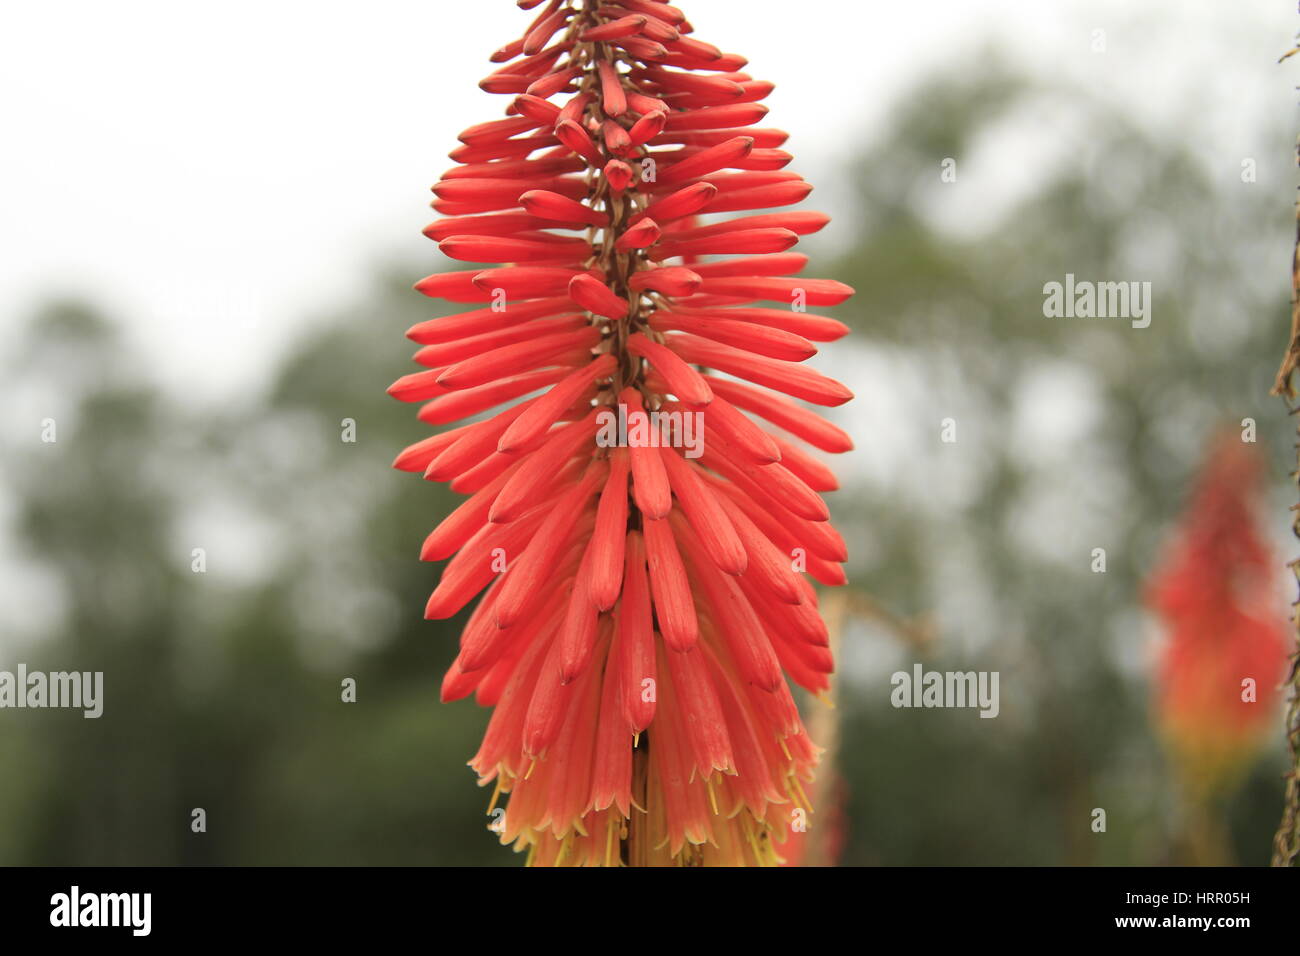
x: 1225, y: 649
x: 642, y: 607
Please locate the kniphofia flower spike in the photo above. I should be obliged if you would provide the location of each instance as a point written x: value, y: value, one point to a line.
x: 1218, y: 600
x: 644, y: 533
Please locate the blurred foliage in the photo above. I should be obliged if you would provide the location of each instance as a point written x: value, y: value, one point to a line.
x: 962, y: 304
x: 223, y: 688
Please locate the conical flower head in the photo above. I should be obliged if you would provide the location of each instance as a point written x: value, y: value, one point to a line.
x: 643, y: 533
x: 1225, y: 649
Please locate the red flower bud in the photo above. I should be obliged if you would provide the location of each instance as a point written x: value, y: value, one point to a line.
x: 641, y: 545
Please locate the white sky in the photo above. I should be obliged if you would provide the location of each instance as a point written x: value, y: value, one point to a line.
x: 217, y: 174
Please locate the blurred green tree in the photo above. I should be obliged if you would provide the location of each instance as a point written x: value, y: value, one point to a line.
x: 996, y: 532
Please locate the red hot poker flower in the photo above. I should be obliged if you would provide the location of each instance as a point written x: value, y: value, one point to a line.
x: 1216, y: 596
x: 642, y: 531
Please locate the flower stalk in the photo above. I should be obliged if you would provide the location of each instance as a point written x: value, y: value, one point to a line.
x: 645, y: 602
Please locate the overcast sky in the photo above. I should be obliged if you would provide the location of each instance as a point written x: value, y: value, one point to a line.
x: 215, y: 175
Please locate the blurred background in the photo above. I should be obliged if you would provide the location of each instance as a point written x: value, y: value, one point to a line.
x: 210, y: 229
